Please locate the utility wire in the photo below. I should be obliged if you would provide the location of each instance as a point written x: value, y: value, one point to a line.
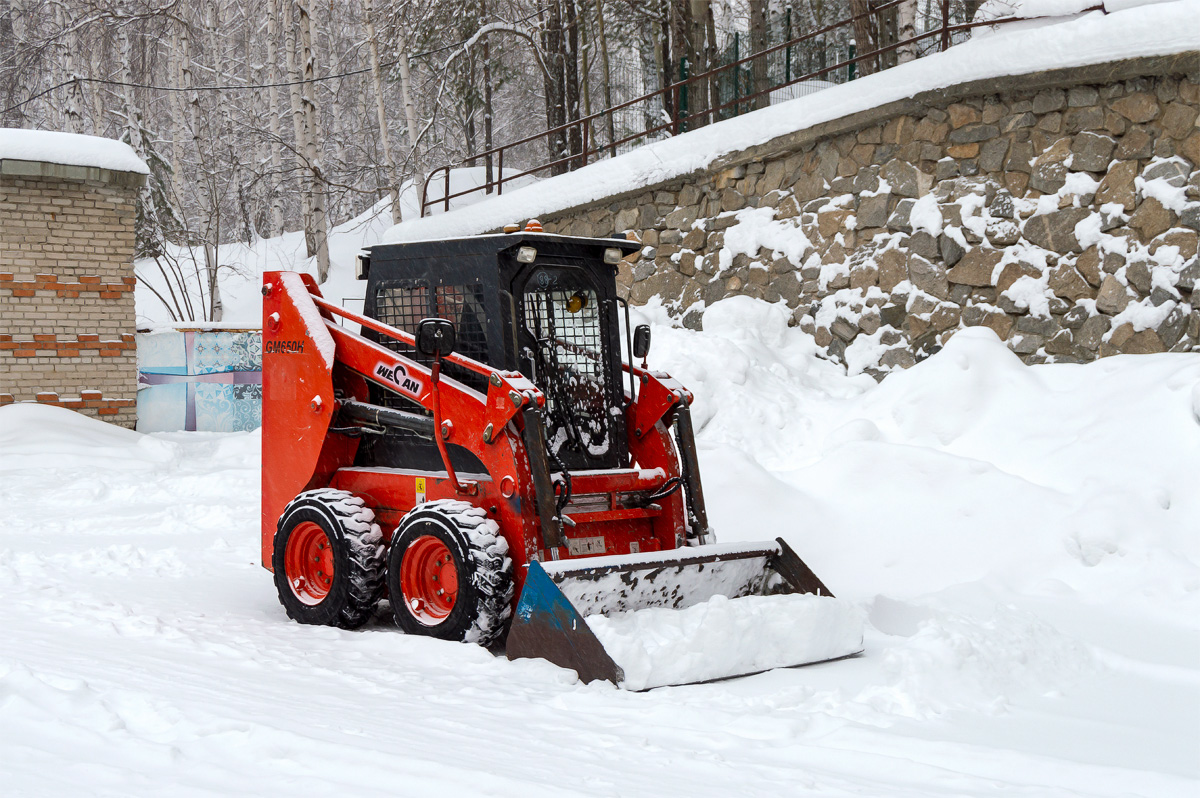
x: 238, y: 86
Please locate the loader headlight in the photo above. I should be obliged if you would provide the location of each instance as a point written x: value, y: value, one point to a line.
x: 612, y: 256
x: 362, y: 267
x: 526, y: 255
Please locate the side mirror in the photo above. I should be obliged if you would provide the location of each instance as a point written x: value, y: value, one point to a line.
x: 435, y: 337
x: 641, y: 341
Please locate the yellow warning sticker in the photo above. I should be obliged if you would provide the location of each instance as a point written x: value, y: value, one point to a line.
x: 420, y: 490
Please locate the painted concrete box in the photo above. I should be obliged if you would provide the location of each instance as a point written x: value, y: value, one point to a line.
x: 199, y: 380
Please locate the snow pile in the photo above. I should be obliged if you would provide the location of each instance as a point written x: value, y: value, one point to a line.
x: 722, y: 637
x: 969, y: 465
x: 36, y: 436
x: 70, y: 149
x: 1159, y: 29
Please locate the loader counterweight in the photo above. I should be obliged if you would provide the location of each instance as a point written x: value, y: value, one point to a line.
x: 531, y: 442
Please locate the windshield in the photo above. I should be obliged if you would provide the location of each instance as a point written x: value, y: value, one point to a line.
x: 565, y: 350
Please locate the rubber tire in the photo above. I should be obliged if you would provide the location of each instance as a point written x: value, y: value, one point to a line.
x: 485, y: 586
x: 358, y: 557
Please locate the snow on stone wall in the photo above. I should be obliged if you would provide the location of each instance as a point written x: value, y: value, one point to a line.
x: 1062, y: 213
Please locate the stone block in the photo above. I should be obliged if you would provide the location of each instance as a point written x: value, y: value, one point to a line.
x: 1136, y: 144
x: 962, y: 114
x: 1139, y: 107
x: 950, y: 250
x: 1118, y: 185
x: 899, y: 220
x: 1088, y: 265
x: 1069, y: 284
x: 903, y: 178
x: 1056, y: 231
x: 1013, y: 272
x: 1049, y: 170
x: 928, y: 276
x: 1112, y: 297
x: 873, y: 210
x: 830, y: 222
x: 1150, y: 219
x: 975, y: 268
x: 1048, y: 100
x: 1092, y: 152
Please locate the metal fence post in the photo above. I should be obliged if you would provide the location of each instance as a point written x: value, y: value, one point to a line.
x: 945, y: 25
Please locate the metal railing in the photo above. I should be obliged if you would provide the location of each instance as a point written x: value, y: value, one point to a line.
x: 674, y: 100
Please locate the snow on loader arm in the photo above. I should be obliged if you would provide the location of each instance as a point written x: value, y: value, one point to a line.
x: 689, y: 615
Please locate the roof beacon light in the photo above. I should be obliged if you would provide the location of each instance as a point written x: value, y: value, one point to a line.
x: 612, y: 256
x: 512, y: 227
x: 526, y: 255
x: 533, y: 226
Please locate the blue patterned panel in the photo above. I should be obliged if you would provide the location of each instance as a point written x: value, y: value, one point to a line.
x: 228, y: 408
x: 217, y: 352
x: 162, y: 353
x: 206, y: 381
x: 162, y: 408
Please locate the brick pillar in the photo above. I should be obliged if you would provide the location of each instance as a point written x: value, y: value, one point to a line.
x: 67, y: 317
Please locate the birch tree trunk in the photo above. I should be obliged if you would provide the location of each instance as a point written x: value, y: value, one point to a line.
x: 299, y: 129
x: 389, y: 162
x: 273, y: 99
x: 758, y: 43
x: 606, y: 75
x: 320, y: 231
x: 906, y: 28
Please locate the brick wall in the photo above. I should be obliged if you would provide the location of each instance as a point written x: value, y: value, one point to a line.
x: 66, y: 288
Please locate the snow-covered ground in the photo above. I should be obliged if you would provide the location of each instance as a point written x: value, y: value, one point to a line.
x: 1024, y: 542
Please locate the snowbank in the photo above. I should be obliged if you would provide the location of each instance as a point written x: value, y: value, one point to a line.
x: 1159, y: 29
x: 1050, y: 480
x: 656, y: 647
x: 70, y: 149
x: 34, y: 436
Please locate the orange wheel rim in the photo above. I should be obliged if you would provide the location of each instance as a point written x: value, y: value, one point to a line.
x: 429, y: 580
x: 308, y: 562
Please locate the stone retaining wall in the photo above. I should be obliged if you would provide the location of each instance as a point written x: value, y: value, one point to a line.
x: 1060, y: 209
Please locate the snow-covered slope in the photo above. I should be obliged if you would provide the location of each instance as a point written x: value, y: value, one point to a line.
x: 1023, y: 540
x: 1158, y: 28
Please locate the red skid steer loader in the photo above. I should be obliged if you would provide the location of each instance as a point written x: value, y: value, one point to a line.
x: 474, y: 448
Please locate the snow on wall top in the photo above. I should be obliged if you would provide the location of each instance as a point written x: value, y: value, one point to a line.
x: 70, y: 149
x: 1128, y: 31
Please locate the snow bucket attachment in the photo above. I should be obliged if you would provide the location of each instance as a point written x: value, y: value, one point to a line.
x: 684, y: 616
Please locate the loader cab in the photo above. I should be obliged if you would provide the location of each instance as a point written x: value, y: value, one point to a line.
x: 541, y: 304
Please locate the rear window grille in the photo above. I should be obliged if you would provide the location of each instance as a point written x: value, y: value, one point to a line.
x: 404, y: 304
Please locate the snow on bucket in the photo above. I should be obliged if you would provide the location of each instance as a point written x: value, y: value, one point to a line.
x: 725, y: 637
x: 684, y: 616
